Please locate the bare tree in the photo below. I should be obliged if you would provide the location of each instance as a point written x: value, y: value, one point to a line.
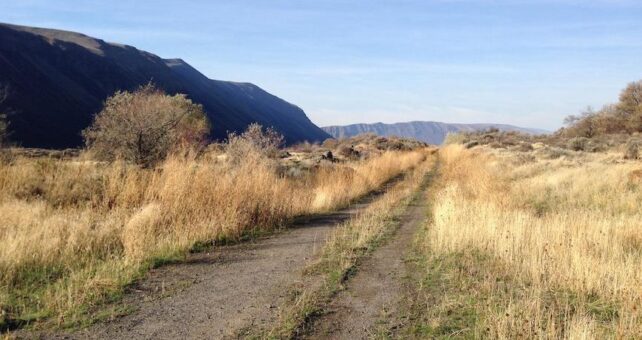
x: 630, y: 106
x: 631, y: 97
x: 145, y: 125
x: 583, y: 125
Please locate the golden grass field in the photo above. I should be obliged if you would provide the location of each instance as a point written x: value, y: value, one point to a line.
x: 526, y: 247
x: 74, y: 232
x: 518, y: 245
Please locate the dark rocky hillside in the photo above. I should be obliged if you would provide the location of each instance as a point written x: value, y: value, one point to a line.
x: 58, y: 80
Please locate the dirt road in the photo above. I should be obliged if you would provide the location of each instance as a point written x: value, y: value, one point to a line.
x: 371, y: 304
x: 216, y: 294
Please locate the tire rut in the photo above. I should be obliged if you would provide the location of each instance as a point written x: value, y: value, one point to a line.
x: 370, y: 304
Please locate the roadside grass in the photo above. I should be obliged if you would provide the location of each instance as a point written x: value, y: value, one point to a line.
x: 469, y: 294
x: 530, y: 248
x: 75, y: 233
x: 343, y: 251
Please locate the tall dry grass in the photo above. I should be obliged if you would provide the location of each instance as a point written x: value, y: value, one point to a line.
x: 568, y: 232
x: 73, y: 233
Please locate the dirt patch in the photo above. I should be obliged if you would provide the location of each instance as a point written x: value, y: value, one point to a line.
x: 370, y: 304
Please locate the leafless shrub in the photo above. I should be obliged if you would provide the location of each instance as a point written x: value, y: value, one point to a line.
x: 254, y: 142
x: 145, y: 125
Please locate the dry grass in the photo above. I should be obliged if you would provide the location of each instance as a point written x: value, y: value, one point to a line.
x: 74, y: 232
x: 554, y: 246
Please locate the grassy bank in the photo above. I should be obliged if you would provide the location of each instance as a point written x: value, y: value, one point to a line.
x: 525, y: 247
x: 75, y: 232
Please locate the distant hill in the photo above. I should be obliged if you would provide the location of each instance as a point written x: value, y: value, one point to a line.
x: 429, y: 132
x: 58, y: 80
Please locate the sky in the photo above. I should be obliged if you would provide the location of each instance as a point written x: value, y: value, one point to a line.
x: 527, y: 63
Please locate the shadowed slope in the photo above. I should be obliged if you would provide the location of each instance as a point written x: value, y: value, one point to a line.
x: 58, y: 81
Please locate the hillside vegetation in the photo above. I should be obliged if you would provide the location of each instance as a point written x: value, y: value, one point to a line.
x: 615, y: 128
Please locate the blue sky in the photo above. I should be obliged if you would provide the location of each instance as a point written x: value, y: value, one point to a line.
x: 527, y: 63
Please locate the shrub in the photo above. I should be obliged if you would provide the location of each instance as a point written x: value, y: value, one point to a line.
x: 255, y: 141
x: 145, y: 125
x: 348, y: 152
x: 578, y: 143
x: 630, y: 106
x: 584, y: 125
x: 632, y: 149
